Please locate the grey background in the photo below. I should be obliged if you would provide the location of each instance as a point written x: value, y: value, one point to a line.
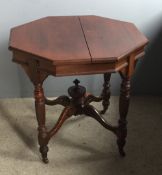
x: 145, y: 14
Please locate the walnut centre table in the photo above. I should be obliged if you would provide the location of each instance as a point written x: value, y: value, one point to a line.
x: 78, y: 45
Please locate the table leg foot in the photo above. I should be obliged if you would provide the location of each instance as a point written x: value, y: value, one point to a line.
x: 43, y: 150
x: 121, y: 143
x: 106, y: 93
x: 121, y: 151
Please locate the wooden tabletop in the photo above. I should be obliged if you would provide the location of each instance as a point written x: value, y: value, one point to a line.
x: 77, y: 39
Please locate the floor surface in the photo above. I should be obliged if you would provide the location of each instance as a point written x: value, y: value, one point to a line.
x: 82, y: 146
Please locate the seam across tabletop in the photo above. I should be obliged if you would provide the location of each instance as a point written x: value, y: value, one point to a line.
x: 85, y: 37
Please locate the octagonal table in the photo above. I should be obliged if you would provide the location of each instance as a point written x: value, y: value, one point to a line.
x: 78, y: 45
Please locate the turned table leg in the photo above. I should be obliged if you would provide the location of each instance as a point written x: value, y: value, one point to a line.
x: 40, y: 113
x: 106, y: 92
x: 123, y: 110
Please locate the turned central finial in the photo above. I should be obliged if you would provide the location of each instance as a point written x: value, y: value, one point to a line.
x: 76, y: 82
x: 76, y: 91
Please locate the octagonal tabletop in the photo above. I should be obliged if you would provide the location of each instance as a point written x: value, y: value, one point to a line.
x: 77, y: 39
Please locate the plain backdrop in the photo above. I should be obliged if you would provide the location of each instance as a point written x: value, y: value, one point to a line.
x: 147, y: 16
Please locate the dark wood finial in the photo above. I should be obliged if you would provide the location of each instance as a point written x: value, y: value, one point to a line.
x: 76, y: 82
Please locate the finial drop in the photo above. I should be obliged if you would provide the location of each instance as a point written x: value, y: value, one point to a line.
x: 76, y: 82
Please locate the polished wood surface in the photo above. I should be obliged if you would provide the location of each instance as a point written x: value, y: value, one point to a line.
x: 110, y: 39
x: 78, y: 45
x: 59, y: 39
x: 77, y: 39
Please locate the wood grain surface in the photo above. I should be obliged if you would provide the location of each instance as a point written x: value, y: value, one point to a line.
x: 110, y: 39
x: 59, y: 39
x: 77, y: 39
